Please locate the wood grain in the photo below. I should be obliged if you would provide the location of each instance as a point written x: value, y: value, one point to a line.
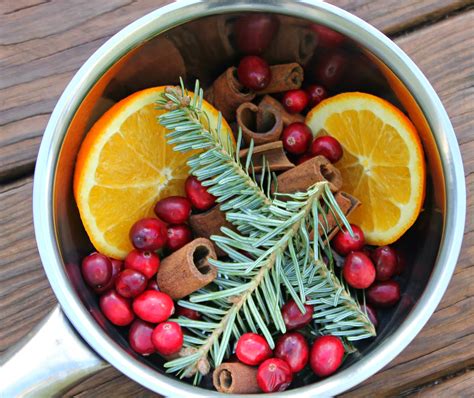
x: 461, y: 386
x: 394, y: 16
x: 25, y: 294
x: 37, y: 63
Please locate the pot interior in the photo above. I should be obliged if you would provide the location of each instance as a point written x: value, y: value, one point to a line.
x: 203, y: 49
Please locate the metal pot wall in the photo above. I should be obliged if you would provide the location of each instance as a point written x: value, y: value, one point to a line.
x: 194, y: 39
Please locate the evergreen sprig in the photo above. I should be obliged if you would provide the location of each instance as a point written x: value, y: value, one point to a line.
x: 271, y: 256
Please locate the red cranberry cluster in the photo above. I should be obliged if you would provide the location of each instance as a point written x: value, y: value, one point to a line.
x: 129, y: 292
x: 254, y: 73
x: 130, y: 296
x: 292, y: 352
x: 369, y: 269
x: 253, y: 35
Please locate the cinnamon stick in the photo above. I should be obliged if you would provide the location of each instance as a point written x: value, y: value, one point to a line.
x: 193, y: 42
x: 314, y: 170
x: 287, y: 118
x: 209, y: 223
x: 273, y: 153
x: 226, y: 94
x: 235, y: 378
x: 284, y: 77
x: 187, y: 269
x: 271, y: 124
x: 294, y: 42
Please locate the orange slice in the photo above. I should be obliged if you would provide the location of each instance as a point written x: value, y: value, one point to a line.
x: 382, y: 164
x: 125, y: 166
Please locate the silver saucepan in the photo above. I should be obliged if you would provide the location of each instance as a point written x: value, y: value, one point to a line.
x: 194, y: 38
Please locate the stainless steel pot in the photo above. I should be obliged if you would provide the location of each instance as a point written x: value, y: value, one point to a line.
x: 66, y: 348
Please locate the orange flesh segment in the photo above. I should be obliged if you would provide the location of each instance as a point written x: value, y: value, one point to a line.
x: 124, y: 167
x: 382, y: 163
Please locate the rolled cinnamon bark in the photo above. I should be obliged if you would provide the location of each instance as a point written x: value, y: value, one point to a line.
x: 308, y: 173
x: 271, y: 124
x: 194, y: 39
x: 138, y: 70
x: 284, y: 77
x: 187, y: 269
x: 273, y: 153
x: 294, y: 42
x: 210, y: 223
x: 226, y: 94
x: 287, y: 118
x: 235, y: 378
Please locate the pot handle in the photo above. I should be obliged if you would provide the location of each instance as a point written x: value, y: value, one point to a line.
x: 48, y: 361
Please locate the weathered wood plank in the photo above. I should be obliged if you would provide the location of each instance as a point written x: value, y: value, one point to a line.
x: 8, y: 7
x: 36, y: 63
x: 393, y: 16
x: 108, y: 381
x: 461, y: 386
x: 25, y: 294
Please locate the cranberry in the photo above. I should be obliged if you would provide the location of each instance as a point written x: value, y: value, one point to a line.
x: 330, y: 68
x: 116, y: 308
x: 358, y: 270
x: 303, y: 158
x: 130, y: 283
x: 385, y: 260
x: 295, y: 101
x: 274, y: 375
x: 254, y: 32
x: 173, y: 209
x: 148, y: 234
x: 328, y: 147
x: 254, y: 73
x: 293, y: 349
x: 143, y: 261
x: 97, y: 270
x: 178, y: 236
x: 327, y: 37
x: 198, y: 195
x: 316, y: 94
x: 153, y: 306
x: 344, y: 243
x: 384, y: 294
x: 191, y: 314
x: 371, y: 313
x: 252, y: 349
x: 117, y: 266
x: 296, y: 138
x: 293, y: 317
x: 326, y: 355
x: 167, y: 338
x: 152, y: 285
x: 139, y: 337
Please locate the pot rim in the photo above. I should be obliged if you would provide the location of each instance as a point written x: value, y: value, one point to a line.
x: 181, y: 12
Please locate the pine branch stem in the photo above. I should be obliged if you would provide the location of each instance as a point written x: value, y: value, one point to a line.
x: 280, y: 247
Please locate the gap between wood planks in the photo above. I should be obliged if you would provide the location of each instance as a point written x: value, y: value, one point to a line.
x: 428, y: 389
x: 433, y: 19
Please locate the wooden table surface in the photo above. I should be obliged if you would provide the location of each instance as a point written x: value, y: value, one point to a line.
x: 42, y: 45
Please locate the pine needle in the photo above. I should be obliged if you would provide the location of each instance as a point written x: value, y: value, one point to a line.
x: 279, y: 260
